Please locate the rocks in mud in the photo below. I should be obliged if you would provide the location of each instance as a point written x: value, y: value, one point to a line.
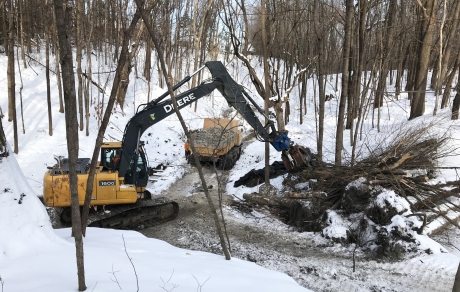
x: 307, y: 215
x: 357, y: 195
x: 385, y: 206
x: 372, y: 217
x: 398, y: 237
x: 336, y: 230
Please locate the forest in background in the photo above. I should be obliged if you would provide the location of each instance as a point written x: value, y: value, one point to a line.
x: 364, y: 42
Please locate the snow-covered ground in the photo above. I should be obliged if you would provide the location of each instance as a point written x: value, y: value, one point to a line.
x: 33, y: 256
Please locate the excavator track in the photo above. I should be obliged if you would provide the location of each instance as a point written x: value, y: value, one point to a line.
x: 142, y: 214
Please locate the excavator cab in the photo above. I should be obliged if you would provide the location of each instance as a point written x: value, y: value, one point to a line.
x: 111, y: 156
x: 137, y: 171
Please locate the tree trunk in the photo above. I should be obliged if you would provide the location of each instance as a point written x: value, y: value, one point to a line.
x: 343, y: 96
x: 63, y: 23
x: 386, y: 53
x: 452, y: 38
x: 456, y: 287
x: 11, y: 78
x: 79, y: 42
x: 184, y: 127
x: 48, y: 89
x: 126, y: 70
x: 428, y: 15
x: 439, y: 81
x: 198, y: 36
x: 5, y: 31
x: 123, y: 59
x: 58, y: 69
x: 3, y: 150
x: 319, y: 68
x: 450, y: 79
x: 456, y: 103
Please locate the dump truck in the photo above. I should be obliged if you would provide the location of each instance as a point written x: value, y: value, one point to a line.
x: 218, y: 142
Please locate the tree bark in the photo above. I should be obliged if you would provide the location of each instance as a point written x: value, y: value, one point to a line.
x: 11, y: 78
x: 456, y: 103
x: 3, y: 150
x: 452, y: 38
x: 48, y: 89
x: 127, y: 68
x: 267, y: 86
x: 426, y: 31
x: 319, y: 68
x: 79, y: 42
x: 63, y: 21
x: 386, y: 52
x: 343, y: 96
x: 456, y: 287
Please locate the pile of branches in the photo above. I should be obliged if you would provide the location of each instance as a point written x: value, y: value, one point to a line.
x: 403, y: 165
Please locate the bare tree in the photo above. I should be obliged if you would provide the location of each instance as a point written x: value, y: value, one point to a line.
x: 387, y: 47
x: 184, y: 127
x: 48, y: 89
x: 79, y: 43
x: 452, y: 38
x: 343, y: 97
x: 63, y: 21
x: 320, y: 35
x: 123, y: 59
x: 267, y: 80
x: 11, y: 78
x: 3, y: 150
x: 456, y: 103
x: 427, y: 11
x: 127, y: 68
x: 198, y: 34
x: 440, y: 58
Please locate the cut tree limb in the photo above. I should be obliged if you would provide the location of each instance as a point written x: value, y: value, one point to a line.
x: 269, y: 200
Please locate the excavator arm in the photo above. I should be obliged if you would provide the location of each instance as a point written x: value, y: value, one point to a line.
x: 157, y: 110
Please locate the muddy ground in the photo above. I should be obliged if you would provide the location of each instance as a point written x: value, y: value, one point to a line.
x: 312, y: 261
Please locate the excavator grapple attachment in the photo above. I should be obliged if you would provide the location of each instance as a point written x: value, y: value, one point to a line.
x: 297, y: 157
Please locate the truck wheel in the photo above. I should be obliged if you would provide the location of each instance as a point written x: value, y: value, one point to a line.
x: 226, y: 164
x: 228, y: 160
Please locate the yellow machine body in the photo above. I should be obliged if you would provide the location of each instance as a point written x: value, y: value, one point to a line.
x: 108, y: 188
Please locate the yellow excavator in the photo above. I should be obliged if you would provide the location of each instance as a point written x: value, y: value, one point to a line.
x: 122, y: 172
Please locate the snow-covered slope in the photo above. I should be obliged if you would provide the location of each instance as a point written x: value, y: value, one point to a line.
x: 34, y: 257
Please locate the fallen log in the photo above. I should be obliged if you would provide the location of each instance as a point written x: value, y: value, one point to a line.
x: 269, y: 200
x: 295, y: 195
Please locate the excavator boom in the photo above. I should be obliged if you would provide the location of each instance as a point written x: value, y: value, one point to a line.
x: 157, y: 110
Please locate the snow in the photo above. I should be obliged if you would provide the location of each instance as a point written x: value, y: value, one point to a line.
x: 394, y: 200
x: 34, y: 257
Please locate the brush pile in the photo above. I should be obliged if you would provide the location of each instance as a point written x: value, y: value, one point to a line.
x: 382, y: 202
